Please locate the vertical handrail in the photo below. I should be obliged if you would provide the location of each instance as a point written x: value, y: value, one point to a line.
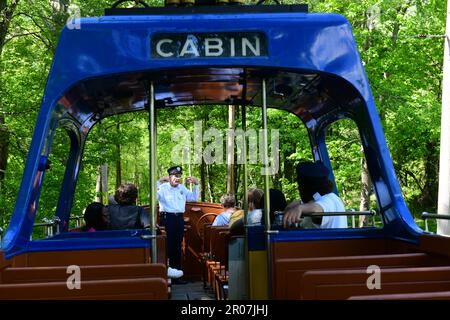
x: 56, y: 225
x: 266, y: 187
x: 353, y: 219
x: 152, y: 159
x: 245, y: 198
x: 373, y: 217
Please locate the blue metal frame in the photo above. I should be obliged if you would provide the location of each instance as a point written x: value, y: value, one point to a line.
x: 117, y: 46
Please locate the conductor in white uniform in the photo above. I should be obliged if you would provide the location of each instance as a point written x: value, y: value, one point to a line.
x: 172, y: 196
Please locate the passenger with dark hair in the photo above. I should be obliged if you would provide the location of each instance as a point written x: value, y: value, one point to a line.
x: 95, y: 217
x: 277, y: 203
x: 316, y: 193
x: 228, y: 203
x: 126, y: 214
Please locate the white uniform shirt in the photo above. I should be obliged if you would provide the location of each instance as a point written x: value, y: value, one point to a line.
x: 222, y: 219
x: 173, y: 199
x: 331, y: 203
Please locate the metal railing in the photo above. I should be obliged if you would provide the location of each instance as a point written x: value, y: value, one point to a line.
x: 77, y: 220
x: 51, y: 226
x: 351, y: 213
x: 425, y: 216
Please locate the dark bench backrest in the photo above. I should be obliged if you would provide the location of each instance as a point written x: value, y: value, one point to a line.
x: 104, y: 272
x: 123, y: 289
x: 342, y: 284
x: 288, y: 273
x: 445, y: 295
x: 219, y: 244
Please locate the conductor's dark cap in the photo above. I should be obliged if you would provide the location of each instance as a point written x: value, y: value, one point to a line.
x: 312, y: 171
x: 175, y: 170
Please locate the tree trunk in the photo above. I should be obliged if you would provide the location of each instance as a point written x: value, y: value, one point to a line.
x: 104, y: 173
x: 289, y: 170
x: 4, y: 142
x: 208, y: 174
x: 203, y: 180
x: 276, y: 178
x: 98, y: 186
x: 6, y: 13
x: 230, y: 149
x: 118, y: 161
x: 365, y: 192
x: 237, y: 179
x: 430, y: 191
x: 101, y: 189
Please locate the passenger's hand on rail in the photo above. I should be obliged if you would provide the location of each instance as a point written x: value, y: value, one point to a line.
x: 293, y: 215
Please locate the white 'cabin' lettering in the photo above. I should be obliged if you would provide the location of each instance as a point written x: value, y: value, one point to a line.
x: 192, y: 45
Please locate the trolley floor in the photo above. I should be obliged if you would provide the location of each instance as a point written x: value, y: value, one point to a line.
x: 191, y: 291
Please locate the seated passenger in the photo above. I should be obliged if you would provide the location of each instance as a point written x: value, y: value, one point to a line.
x: 255, y: 204
x: 316, y: 193
x: 95, y: 217
x: 126, y: 214
x: 228, y: 204
x: 277, y: 203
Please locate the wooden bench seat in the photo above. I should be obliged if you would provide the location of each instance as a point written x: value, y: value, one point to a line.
x: 102, y: 272
x: 443, y: 295
x: 123, y: 289
x: 288, y: 272
x: 219, y: 237
x: 342, y: 284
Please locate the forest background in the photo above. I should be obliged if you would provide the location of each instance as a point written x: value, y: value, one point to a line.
x: 401, y: 46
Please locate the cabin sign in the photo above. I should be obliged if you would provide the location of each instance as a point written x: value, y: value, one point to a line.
x: 208, y: 45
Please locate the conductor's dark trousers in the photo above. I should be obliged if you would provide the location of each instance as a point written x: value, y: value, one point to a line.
x: 174, y: 224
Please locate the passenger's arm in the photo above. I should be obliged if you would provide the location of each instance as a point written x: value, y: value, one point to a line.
x: 295, y: 209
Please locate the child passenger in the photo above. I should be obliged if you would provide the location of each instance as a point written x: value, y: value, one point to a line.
x: 228, y: 204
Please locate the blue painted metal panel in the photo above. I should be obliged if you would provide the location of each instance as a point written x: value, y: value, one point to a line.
x: 327, y: 234
x: 256, y: 238
x: 118, y: 46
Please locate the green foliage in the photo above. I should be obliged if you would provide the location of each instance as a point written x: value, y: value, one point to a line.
x: 403, y: 69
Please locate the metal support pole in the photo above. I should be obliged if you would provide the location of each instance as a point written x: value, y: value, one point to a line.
x: 265, y: 157
x: 56, y: 225
x: 353, y: 219
x: 152, y: 159
x: 245, y: 200
x: 244, y: 165
x: 266, y: 188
